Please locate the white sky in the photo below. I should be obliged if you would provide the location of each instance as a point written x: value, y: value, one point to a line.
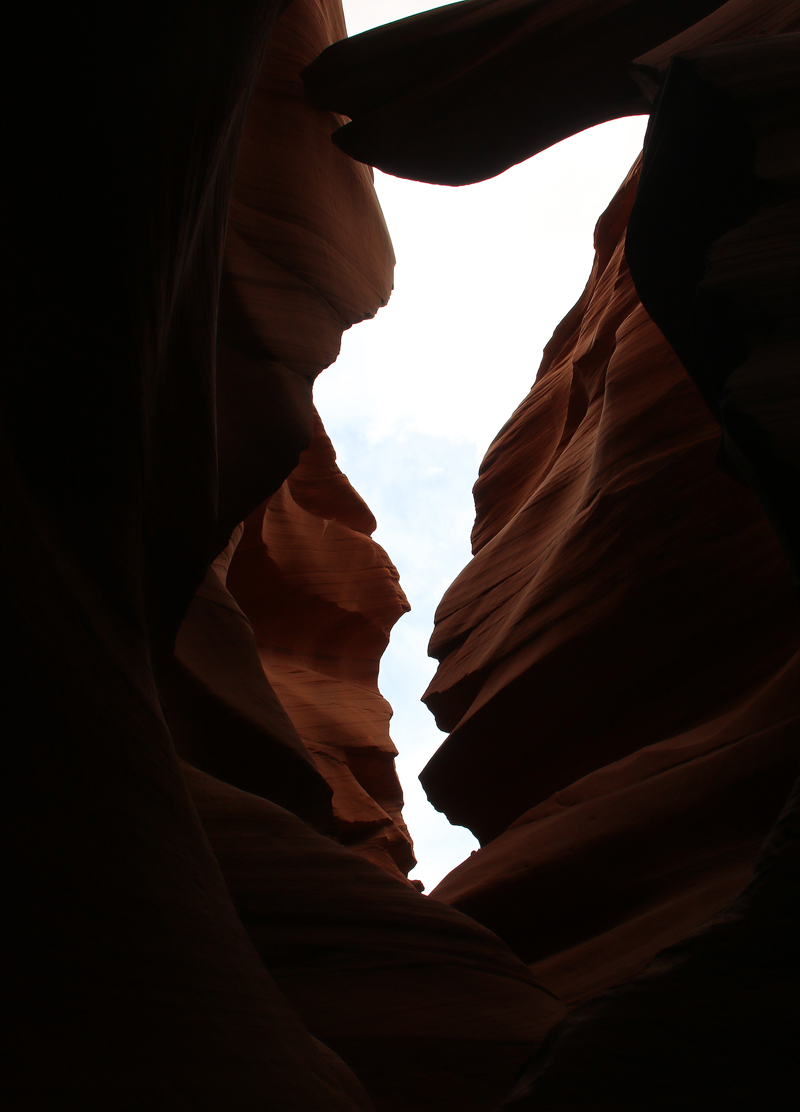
x: 484, y: 274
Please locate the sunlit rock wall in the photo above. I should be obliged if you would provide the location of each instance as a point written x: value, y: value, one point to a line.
x: 322, y: 597
x: 627, y: 623
x: 307, y: 255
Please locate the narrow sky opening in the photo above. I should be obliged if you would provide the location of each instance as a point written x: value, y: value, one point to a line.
x: 484, y: 274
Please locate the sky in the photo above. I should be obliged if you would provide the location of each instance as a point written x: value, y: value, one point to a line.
x: 484, y: 274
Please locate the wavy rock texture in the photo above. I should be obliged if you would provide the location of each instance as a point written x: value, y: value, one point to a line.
x: 556, y: 658
x: 222, y: 712
x: 307, y: 255
x: 599, y: 631
x: 613, y: 561
x: 591, y: 884
x: 302, y: 263
x: 321, y: 597
x: 273, y: 688
x: 711, y: 1023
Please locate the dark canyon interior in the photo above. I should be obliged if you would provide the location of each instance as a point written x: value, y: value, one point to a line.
x: 208, y: 893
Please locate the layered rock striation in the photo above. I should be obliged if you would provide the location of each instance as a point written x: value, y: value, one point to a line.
x: 598, y: 631
x: 321, y: 598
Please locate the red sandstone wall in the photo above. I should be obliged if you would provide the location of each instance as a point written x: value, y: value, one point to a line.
x: 597, y: 639
x: 322, y: 598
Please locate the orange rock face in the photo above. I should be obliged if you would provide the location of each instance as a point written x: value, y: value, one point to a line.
x: 597, y: 636
x: 591, y: 884
x: 272, y: 691
x: 322, y: 597
x: 617, y: 570
x: 307, y: 255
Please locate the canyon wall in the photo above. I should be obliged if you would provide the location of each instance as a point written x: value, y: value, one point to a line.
x: 639, y: 756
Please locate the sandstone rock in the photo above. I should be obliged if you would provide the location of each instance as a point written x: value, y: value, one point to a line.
x: 659, y: 842
x: 307, y: 255
x: 710, y: 1025
x: 322, y: 597
x: 429, y: 1009
x: 223, y: 714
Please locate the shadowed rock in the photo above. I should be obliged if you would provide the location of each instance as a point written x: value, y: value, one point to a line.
x: 460, y: 93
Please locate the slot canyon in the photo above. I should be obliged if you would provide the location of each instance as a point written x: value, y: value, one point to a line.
x: 208, y: 896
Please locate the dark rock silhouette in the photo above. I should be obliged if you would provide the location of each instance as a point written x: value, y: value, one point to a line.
x: 460, y: 93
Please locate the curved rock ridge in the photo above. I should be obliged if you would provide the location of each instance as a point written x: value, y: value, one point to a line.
x: 307, y: 255
x: 321, y: 597
x: 617, y: 571
x: 307, y: 251
x: 429, y: 1009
